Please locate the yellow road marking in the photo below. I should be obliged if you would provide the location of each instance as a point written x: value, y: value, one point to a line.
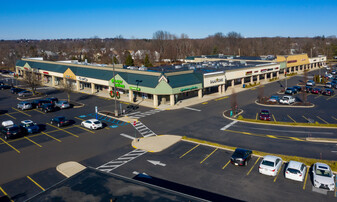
x: 51, y: 137
x: 246, y: 133
x: 295, y: 138
x: 322, y: 119
x: 189, y: 151
x: 10, y: 116
x: 334, y: 118
x: 63, y: 130
x: 305, y: 118
x: 318, y: 96
x: 21, y: 112
x: 331, y: 97
x: 291, y: 118
x: 36, y: 183
x: 208, y: 155
x: 221, y: 98
x: 256, y: 116
x: 226, y: 164
x: 9, y: 145
x: 79, y: 118
x: 204, y: 103
x: 33, y: 141
x: 107, y: 128
x: 274, y: 117
x: 306, y: 177
x: 253, y: 166
x: 9, y: 113
x: 253, y: 88
x: 84, y: 129
x: 271, y: 136
x: 39, y: 111
x: 3, y: 191
x: 278, y: 173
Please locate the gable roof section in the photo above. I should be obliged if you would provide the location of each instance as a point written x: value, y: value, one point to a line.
x: 181, y: 80
x: 150, y: 81
x: 20, y: 63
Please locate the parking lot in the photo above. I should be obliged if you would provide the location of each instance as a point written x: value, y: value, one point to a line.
x: 209, y: 169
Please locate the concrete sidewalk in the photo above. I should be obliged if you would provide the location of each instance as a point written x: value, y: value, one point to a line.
x: 155, y: 143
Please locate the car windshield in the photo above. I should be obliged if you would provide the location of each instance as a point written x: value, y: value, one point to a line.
x: 61, y: 118
x: 324, y: 173
x: 268, y: 163
x: 273, y: 97
x: 29, y: 124
x: 293, y: 171
x: 264, y: 112
x: 286, y: 98
x: 97, y: 122
x: 13, y: 129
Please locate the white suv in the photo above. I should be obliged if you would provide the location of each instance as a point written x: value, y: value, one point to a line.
x: 323, y: 177
x: 287, y: 100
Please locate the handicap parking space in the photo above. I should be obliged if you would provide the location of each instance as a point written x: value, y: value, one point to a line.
x: 108, y: 121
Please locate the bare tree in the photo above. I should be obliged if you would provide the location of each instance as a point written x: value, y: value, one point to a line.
x: 32, y: 79
x: 67, y: 87
x: 234, y: 103
x: 261, y: 93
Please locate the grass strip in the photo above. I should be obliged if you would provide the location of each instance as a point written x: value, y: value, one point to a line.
x: 306, y: 161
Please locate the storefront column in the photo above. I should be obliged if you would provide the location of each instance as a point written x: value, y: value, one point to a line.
x: 251, y: 79
x: 130, y: 95
x: 277, y: 74
x: 172, y: 100
x: 265, y: 77
x: 200, y: 93
x: 92, y: 88
x: 258, y: 78
x: 232, y: 83
x: 52, y: 80
x: 155, y: 100
x: 223, y: 88
x: 242, y: 80
x: 77, y: 85
x: 271, y: 75
x: 219, y: 89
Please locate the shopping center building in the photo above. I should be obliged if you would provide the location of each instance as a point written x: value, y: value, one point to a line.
x: 168, y: 84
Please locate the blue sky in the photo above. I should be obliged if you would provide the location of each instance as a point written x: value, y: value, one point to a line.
x: 140, y: 19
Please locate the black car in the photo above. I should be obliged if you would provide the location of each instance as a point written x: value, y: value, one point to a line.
x: 60, y: 121
x: 297, y: 88
x: 3, y: 87
x: 39, y: 103
x: 241, y: 157
x: 48, y: 107
x: 52, y: 100
x: 308, y: 89
x: 12, y: 131
x: 16, y: 90
x: 290, y: 91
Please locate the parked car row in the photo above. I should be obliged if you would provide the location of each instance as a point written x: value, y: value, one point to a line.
x: 293, y: 90
x: 287, y: 99
x: 326, y: 91
x: 10, y: 130
x: 271, y: 165
x: 46, y: 105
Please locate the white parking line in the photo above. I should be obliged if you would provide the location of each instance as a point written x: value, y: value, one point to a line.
x: 127, y: 136
x: 228, y: 125
x: 198, y: 110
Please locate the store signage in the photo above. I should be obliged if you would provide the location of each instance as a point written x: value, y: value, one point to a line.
x: 270, y: 69
x: 217, y: 80
x: 118, y: 83
x: 256, y: 71
x: 190, y: 88
x: 263, y: 70
x: 291, y: 61
x: 26, y: 68
x: 82, y: 78
x: 68, y: 76
x: 134, y: 88
x: 45, y: 72
x: 249, y: 73
x: 276, y: 67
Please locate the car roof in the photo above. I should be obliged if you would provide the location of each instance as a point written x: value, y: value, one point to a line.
x: 7, y: 123
x: 58, y: 117
x: 92, y: 120
x: 242, y: 150
x: 27, y: 121
x: 270, y: 158
x: 295, y: 164
x: 264, y: 110
x: 322, y: 166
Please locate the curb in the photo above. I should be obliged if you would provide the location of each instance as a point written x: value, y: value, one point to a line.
x: 324, y: 140
x: 118, y: 118
x: 285, y: 106
x: 243, y: 121
x: 24, y: 99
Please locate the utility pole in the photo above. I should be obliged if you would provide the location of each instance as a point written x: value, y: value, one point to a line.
x: 286, y: 72
x: 113, y: 67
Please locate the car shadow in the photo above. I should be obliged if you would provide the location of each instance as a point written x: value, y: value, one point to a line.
x: 42, y: 127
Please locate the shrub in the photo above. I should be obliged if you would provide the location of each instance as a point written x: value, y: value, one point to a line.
x: 240, y: 117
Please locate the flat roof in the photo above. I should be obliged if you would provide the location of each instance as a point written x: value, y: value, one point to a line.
x: 234, y: 57
x: 95, y: 185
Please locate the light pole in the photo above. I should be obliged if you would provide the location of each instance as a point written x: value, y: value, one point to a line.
x: 113, y: 67
x: 286, y: 71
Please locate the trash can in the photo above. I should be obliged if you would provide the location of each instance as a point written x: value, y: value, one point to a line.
x: 243, y: 85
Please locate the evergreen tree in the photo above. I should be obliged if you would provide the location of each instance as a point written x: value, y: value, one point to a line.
x: 115, y: 60
x: 147, y: 62
x: 129, y: 60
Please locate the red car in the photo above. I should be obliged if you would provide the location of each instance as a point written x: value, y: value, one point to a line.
x: 328, y: 92
x: 265, y: 115
x: 316, y: 91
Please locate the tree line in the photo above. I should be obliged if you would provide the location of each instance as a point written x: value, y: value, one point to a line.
x: 163, y: 46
